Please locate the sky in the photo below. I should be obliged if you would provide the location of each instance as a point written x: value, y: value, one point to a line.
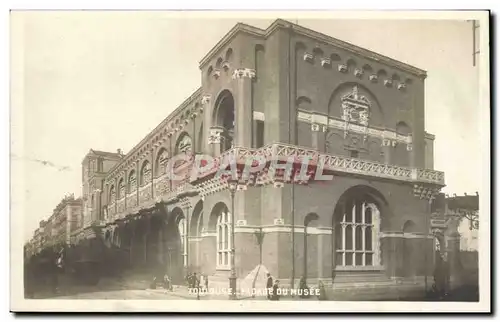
x: 104, y: 80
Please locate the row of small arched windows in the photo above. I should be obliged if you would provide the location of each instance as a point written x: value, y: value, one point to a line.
x: 351, y: 63
x: 145, y: 173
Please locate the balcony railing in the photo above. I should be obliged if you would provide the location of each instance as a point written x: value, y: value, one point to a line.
x: 132, y: 199
x: 162, y: 188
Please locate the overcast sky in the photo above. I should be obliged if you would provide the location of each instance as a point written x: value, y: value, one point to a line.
x: 103, y: 80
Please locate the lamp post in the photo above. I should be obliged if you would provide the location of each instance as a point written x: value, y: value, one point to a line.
x: 233, y: 185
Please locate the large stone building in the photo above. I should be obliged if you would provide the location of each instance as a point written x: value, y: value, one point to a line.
x: 286, y: 91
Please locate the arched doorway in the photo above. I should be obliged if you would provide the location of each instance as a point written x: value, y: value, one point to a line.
x: 224, y: 118
x: 356, y: 221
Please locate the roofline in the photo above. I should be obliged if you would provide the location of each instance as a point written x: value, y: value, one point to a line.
x: 280, y: 23
x: 156, y: 129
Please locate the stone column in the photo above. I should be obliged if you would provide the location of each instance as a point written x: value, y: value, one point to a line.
x: 387, y: 147
x: 206, y: 102
x: 453, y: 253
x: 243, y: 106
x: 160, y: 245
x: 215, y: 139
x: 315, y: 128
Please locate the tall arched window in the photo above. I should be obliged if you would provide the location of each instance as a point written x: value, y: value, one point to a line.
x: 145, y: 176
x: 161, y: 163
x: 182, y: 233
x: 121, y: 188
x: 132, y: 182
x: 356, y: 233
x: 223, y: 240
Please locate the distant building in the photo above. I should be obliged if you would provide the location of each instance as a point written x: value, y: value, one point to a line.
x: 59, y: 227
x: 466, y: 209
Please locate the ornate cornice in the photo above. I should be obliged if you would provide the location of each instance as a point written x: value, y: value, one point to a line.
x: 283, y: 24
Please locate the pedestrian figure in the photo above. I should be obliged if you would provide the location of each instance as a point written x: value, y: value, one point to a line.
x: 322, y: 291
x: 153, y: 283
x: 196, y: 285
x: 276, y: 296
x: 206, y: 282
x: 304, y: 290
x: 167, y: 282
x: 269, y: 286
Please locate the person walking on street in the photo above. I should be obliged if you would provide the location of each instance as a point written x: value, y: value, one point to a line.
x: 269, y: 286
x: 275, y: 296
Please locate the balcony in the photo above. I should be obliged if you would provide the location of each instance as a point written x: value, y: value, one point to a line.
x: 162, y: 189
x: 145, y: 193
x: 338, y: 165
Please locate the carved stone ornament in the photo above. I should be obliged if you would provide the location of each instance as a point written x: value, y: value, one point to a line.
x: 215, y: 136
x: 409, y: 147
x: 225, y: 65
x: 205, y: 99
x: 388, y: 83
x: 342, y: 68
x: 358, y: 72
x: 355, y: 109
x: 373, y: 78
x: 308, y: 57
x: 216, y: 74
x: 401, y: 86
x: 243, y: 72
x: 325, y: 62
x: 279, y: 221
x: 315, y: 127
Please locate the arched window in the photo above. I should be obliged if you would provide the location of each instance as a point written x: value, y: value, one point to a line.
x: 223, y: 240
x: 184, y: 145
x: 121, y: 189
x: 132, y: 182
x: 356, y: 234
x: 161, y: 162
x: 112, y: 194
x: 182, y: 233
x: 145, y: 176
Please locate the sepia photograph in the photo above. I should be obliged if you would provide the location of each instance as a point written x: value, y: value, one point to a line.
x: 250, y: 161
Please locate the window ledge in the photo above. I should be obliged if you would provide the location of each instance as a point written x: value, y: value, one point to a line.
x: 222, y: 269
x: 359, y: 268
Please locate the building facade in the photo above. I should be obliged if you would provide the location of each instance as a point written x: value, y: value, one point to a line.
x: 279, y: 94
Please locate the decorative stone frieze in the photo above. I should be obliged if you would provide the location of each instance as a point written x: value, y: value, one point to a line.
x: 243, y: 72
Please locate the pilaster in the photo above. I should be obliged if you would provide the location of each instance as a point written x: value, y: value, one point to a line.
x: 243, y: 106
